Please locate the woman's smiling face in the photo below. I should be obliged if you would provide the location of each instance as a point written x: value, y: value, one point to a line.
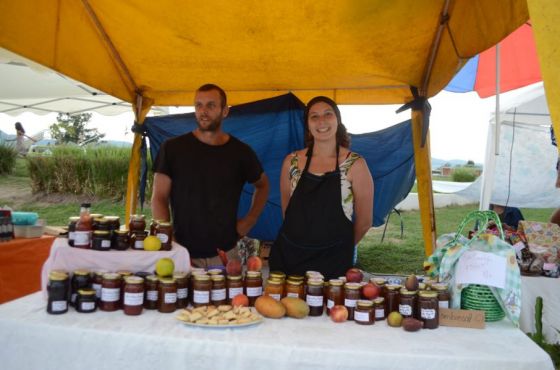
x: 322, y: 122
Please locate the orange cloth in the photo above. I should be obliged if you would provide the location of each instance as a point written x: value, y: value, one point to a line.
x: 20, y: 266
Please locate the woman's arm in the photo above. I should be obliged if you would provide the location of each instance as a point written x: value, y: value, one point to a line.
x: 285, y: 186
x: 362, y: 187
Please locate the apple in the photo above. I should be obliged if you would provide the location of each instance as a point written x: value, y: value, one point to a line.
x: 240, y: 300
x: 339, y: 313
x: 371, y: 291
x: 354, y: 275
x: 165, y: 267
x: 152, y: 243
x: 254, y: 263
x: 233, y: 267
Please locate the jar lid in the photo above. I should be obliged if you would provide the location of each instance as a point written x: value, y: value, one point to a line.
x: 102, y: 220
x: 343, y: 278
x: 200, y: 277
x: 364, y: 303
x: 166, y: 280
x: 134, y: 280
x: 137, y: 217
x: 152, y: 278
x: 112, y: 218
x: 180, y: 275
x: 111, y: 276
x: 313, y: 274
x: 121, y: 232
x: 393, y: 286
x: 428, y: 294
x: 440, y: 286
x: 57, y: 276
x: 421, y: 286
x: 73, y: 218
x: 289, y: 281
x: 254, y: 274
x: 164, y: 224
x: 96, y: 215
x: 101, y: 233
x: 379, y: 300
x: 336, y: 282
x: 198, y: 269
x: 378, y: 281
x: 218, y: 277
x: 234, y: 277
x: 277, y: 275
x: 100, y: 273
x: 124, y: 273
x: 315, y: 282
x: 60, y: 272
x: 81, y: 272
x: 352, y: 286
x: 215, y: 272
x: 86, y: 292
x: 407, y: 292
x: 280, y: 282
x: 296, y: 277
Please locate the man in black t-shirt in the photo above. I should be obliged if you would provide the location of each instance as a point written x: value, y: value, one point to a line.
x: 201, y: 175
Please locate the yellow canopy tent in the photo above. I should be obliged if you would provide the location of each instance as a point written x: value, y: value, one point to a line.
x: 355, y: 51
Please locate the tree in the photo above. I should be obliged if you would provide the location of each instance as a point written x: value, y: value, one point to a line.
x: 72, y: 129
x: 470, y: 163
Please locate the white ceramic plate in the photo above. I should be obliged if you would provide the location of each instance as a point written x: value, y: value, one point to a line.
x: 222, y: 326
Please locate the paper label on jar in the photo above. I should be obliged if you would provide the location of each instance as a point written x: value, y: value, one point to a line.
x: 234, y: 291
x: 182, y: 293
x: 405, y: 309
x: 443, y: 304
x: 361, y: 316
x: 379, y: 313
x: 218, y: 294
x: 350, y: 302
x: 428, y: 313
x: 139, y: 244
x: 254, y: 291
x: 97, y: 288
x: 106, y: 244
x: 293, y: 295
x: 73, y: 297
x: 110, y: 294
x: 275, y: 296
x: 170, y: 298
x: 162, y: 237
x: 58, y: 306
x: 133, y: 299
x: 315, y: 300
x: 330, y: 303
x: 82, y: 238
x: 71, y: 235
x: 87, y: 306
x: 152, y: 295
x: 201, y: 296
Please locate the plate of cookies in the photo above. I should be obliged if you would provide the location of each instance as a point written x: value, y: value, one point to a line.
x: 223, y: 316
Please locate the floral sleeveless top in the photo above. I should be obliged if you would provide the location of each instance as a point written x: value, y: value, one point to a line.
x: 345, y: 186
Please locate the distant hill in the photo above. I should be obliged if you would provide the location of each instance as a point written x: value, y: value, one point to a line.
x: 437, y: 163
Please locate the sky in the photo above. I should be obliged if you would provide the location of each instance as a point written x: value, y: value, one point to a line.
x: 458, y: 124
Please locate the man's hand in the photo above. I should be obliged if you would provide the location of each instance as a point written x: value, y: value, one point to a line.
x: 244, y: 225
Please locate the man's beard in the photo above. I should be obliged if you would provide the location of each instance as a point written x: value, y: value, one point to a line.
x: 213, y: 126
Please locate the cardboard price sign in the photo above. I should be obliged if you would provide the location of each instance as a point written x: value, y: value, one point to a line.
x: 461, y: 318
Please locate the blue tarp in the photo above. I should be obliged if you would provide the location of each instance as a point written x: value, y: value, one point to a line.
x: 465, y: 79
x: 274, y: 128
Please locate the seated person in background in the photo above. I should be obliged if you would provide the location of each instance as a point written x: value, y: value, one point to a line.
x: 510, y: 216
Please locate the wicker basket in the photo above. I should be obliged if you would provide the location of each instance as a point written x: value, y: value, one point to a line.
x: 480, y: 297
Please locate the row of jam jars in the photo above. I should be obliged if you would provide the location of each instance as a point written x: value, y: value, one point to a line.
x: 253, y: 286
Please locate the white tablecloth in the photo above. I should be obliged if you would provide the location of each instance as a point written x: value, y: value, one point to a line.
x: 549, y: 290
x: 32, y: 339
x: 64, y: 257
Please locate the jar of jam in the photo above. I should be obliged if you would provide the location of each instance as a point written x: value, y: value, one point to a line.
x: 110, y: 292
x: 101, y: 224
x: 72, y: 221
x: 182, y: 280
x: 234, y: 286
x: 314, y: 296
x: 294, y: 288
x: 86, y: 301
x: 379, y: 308
x: 351, y: 297
x: 275, y: 289
x: 392, y: 298
x: 443, y: 295
x: 151, y: 292
x: 96, y: 283
x: 137, y: 240
x: 113, y: 222
x: 218, y: 293
x: 121, y: 240
x: 364, y: 313
x: 253, y: 286
x: 429, y: 308
x: 201, y: 290
x: 95, y: 217
x: 313, y: 275
x: 335, y: 294
x: 137, y: 224
x: 380, y: 282
x: 57, y: 289
x: 133, y: 295
x: 164, y: 232
x: 407, y: 303
x: 80, y: 280
x: 167, y: 295
x: 153, y: 225
x: 101, y: 240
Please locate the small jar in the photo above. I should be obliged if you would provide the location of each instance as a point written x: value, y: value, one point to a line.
x: 72, y: 221
x: 57, y: 289
x: 295, y: 288
x: 275, y: 289
x: 364, y: 313
x: 86, y: 301
x: 110, y: 292
x: 80, y: 280
x: 101, y: 240
x: 113, y: 222
x: 137, y: 224
x: 201, y: 290
x: 133, y: 295
x: 407, y: 303
x: 218, y: 294
x: 164, y: 232
x: 153, y: 225
x: 123, y: 275
x: 443, y: 295
x: 182, y: 280
x: 234, y: 286
x: 137, y: 240
x: 121, y: 240
x: 379, y: 308
x: 253, y: 286
x: 96, y: 283
x: 351, y: 297
x: 392, y: 298
x: 335, y: 294
x: 167, y: 295
x: 101, y: 224
x: 315, y: 297
x: 151, y: 293
x: 429, y: 309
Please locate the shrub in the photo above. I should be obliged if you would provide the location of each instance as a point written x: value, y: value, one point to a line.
x: 463, y: 174
x: 8, y: 156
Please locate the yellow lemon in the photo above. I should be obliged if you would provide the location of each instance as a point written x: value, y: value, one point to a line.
x: 165, y: 267
x: 152, y: 243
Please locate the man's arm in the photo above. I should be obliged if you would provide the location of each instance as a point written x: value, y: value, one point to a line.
x: 260, y: 197
x: 160, y: 197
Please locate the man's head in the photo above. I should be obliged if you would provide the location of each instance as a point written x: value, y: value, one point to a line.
x: 210, y: 106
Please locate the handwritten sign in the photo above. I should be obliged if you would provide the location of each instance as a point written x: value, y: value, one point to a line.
x: 483, y: 268
x: 461, y: 318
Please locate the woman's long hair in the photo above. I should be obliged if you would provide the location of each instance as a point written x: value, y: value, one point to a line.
x: 19, y: 127
x: 342, y: 137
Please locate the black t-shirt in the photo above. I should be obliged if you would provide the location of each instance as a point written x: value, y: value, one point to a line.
x: 206, y: 183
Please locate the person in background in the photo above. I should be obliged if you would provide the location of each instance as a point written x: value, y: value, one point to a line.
x: 20, y: 138
x: 327, y: 198
x: 509, y: 216
x: 200, y: 175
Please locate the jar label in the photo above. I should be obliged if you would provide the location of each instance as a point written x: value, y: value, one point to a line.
x: 71, y: 235
x: 330, y: 303
x: 170, y: 298
x: 58, y: 306
x: 254, y: 291
x: 97, y: 288
x: 133, y: 299
x: 201, y: 296
x: 291, y: 294
x: 276, y: 296
x: 88, y: 306
x: 314, y: 300
x: 139, y: 244
x: 428, y: 313
x: 443, y: 304
x: 152, y: 295
x: 182, y: 293
x: 361, y: 316
x: 73, y: 297
x: 405, y: 309
x: 82, y: 238
x: 379, y: 313
x: 234, y: 291
x: 163, y: 237
x: 350, y: 302
x: 106, y: 244
x: 110, y: 294
x: 218, y: 294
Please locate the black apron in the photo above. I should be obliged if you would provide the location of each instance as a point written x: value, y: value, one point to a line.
x: 316, y: 234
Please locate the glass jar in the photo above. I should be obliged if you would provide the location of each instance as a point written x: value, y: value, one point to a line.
x: 275, y: 289
x: 182, y: 279
x: 101, y: 240
x: 167, y: 295
x: 151, y: 293
x: 407, y: 303
x: 392, y: 298
x: 277, y: 275
x: 351, y: 297
x: 94, y: 218
x: 110, y: 292
x: 379, y: 308
x: 253, y: 286
x: 137, y: 240
x: 429, y: 309
x: 443, y: 295
x: 96, y: 283
x: 72, y: 221
x: 133, y: 301
x: 218, y: 294
x: 113, y: 222
x: 80, y: 280
x: 164, y: 232
x: 234, y: 286
x: 315, y: 297
x: 137, y: 224
x: 295, y: 288
x: 101, y: 224
x: 364, y: 313
x: 123, y: 274
x: 201, y: 290
x: 381, y: 283
x: 313, y: 275
x: 86, y: 301
x: 153, y: 225
x: 121, y: 240
x: 57, y: 289
x: 335, y: 294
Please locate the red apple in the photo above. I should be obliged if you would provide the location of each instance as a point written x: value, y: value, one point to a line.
x: 371, y: 291
x: 339, y: 313
x: 233, y: 267
x: 240, y: 300
x: 254, y: 263
x: 354, y: 275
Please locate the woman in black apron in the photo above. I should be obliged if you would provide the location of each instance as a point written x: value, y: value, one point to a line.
x: 316, y: 234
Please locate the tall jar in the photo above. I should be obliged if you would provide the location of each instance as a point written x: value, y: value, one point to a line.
x: 201, y: 290
x: 57, y: 289
x: 182, y: 280
x: 218, y: 294
x: 295, y: 289
x: 407, y: 303
x: 167, y: 295
x: 234, y: 286
x: 72, y: 221
x: 379, y: 308
x: 110, y: 292
x: 133, y: 295
x: 429, y: 309
x: 253, y: 286
x: 315, y: 297
x: 392, y: 298
x: 164, y: 232
x: 96, y: 283
x: 335, y: 294
x: 351, y: 297
x: 275, y: 289
x: 443, y: 295
x: 151, y: 291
